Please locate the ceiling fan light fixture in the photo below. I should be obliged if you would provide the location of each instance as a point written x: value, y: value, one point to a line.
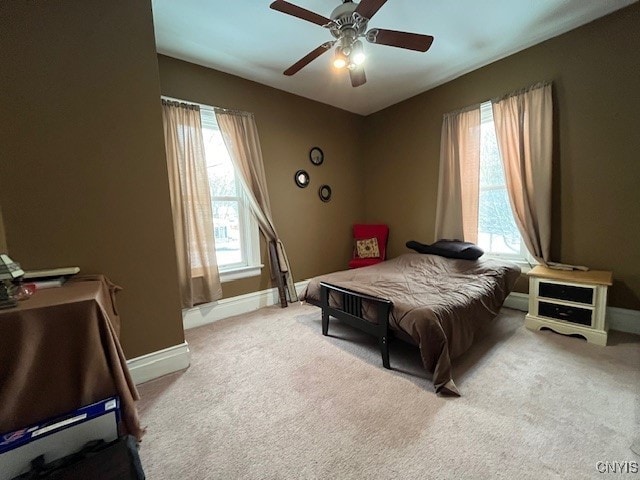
x: 357, y: 54
x: 340, y: 60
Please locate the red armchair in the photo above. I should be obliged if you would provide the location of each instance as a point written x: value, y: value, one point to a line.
x: 364, y: 232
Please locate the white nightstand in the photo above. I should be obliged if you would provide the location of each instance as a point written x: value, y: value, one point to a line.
x: 569, y: 302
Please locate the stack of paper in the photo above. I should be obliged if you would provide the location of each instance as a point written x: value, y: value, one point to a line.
x: 53, y: 277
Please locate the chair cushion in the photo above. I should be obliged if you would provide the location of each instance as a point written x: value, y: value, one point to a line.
x: 448, y: 249
x: 367, y: 248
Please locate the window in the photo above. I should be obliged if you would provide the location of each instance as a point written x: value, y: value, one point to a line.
x: 497, y: 230
x: 235, y: 227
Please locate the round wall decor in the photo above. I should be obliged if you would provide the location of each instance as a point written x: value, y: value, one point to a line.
x: 316, y: 156
x: 301, y: 178
x: 324, y: 192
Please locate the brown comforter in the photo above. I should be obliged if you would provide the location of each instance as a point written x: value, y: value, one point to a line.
x: 441, y: 303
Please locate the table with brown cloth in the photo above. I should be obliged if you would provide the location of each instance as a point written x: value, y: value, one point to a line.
x: 59, y: 350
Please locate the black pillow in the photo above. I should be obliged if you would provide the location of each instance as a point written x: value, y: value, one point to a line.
x: 448, y: 249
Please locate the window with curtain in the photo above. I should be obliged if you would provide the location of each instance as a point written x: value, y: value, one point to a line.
x: 494, y: 184
x: 498, y: 233
x: 236, y: 234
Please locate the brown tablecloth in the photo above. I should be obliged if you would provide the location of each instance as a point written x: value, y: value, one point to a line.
x: 59, y: 350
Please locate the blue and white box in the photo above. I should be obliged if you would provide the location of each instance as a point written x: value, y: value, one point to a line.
x: 58, y: 437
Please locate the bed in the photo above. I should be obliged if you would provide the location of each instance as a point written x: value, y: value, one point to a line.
x: 436, y: 303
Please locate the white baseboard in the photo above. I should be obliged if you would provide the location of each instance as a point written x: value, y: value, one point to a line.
x: 156, y: 364
x: 517, y: 301
x: 228, y: 307
x: 621, y: 319
x: 624, y: 320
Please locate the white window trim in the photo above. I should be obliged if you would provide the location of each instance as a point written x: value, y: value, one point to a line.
x: 253, y: 267
x: 525, y: 264
x: 240, y: 272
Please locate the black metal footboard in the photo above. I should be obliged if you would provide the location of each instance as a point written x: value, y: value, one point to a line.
x: 350, y: 312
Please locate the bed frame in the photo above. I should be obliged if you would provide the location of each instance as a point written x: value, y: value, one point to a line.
x: 349, y: 310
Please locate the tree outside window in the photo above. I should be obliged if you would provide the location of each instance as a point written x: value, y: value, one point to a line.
x: 497, y: 231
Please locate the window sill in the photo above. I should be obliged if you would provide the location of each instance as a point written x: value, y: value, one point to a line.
x: 525, y: 266
x: 242, y: 272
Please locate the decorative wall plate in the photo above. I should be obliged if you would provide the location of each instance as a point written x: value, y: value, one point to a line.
x: 324, y: 192
x: 301, y: 178
x: 316, y: 156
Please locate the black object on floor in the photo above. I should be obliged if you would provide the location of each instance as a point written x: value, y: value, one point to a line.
x: 99, y: 460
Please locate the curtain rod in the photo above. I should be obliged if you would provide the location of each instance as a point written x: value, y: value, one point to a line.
x: 499, y: 98
x: 232, y: 111
x: 186, y: 104
x: 520, y: 91
x: 475, y: 106
x: 180, y: 104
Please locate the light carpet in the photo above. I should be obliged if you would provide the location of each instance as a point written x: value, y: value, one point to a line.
x: 268, y: 397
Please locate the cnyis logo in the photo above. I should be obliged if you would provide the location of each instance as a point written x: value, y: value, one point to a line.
x: 618, y: 467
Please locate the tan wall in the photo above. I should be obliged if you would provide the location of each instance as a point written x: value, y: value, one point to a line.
x: 3, y: 240
x: 596, y: 75
x: 83, y: 177
x: 317, y: 235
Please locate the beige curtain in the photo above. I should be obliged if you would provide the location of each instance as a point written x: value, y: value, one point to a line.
x: 523, y: 123
x: 458, y: 181
x: 240, y: 136
x: 191, y: 204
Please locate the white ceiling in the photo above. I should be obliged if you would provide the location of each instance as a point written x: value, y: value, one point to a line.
x: 248, y: 39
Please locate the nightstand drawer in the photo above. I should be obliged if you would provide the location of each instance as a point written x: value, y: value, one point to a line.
x: 578, y: 315
x: 565, y: 292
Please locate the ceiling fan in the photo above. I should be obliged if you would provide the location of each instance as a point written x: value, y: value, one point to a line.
x: 348, y: 23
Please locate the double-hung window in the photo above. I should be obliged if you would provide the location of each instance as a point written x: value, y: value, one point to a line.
x: 498, y: 234
x: 235, y: 227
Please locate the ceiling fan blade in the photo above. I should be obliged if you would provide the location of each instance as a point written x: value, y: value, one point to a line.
x: 393, y: 38
x: 357, y: 77
x: 368, y: 8
x: 308, y: 58
x: 299, y: 12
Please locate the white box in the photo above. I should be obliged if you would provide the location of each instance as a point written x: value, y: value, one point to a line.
x: 58, y: 437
